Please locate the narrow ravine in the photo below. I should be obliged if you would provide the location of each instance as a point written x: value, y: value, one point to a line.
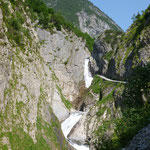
x: 75, y: 117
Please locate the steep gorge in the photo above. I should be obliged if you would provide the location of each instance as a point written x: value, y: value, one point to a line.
x: 49, y: 78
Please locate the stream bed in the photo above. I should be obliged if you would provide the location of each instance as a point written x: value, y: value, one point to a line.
x: 75, y: 117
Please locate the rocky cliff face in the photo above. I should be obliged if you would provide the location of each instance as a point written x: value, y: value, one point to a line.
x: 84, y: 15
x: 27, y: 95
x: 65, y: 53
x: 91, y: 24
x: 40, y: 76
x: 42, y: 81
x: 121, y: 56
x: 118, y: 54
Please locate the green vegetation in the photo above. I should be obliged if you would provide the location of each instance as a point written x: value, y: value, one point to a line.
x: 64, y: 100
x: 98, y: 84
x: 124, y: 44
x: 112, y: 37
x: 20, y: 140
x: 125, y: 128
x: 107, y: 98
x: 138, y: 87
x: 128, y: 51
x: 14, y: 23
x: 48, y: 19
x: 108, y: 55
x: 139, y: 24
x: 134, y: 34
x: 49, y: 132
x: 132, y: 121
x: 135, y: 108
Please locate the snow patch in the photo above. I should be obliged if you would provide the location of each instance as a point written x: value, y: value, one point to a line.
x: 68, y: 125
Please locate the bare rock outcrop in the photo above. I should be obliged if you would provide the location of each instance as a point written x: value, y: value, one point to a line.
x: 65, y: 54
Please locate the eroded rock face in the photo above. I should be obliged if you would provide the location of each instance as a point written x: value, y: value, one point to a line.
x: 91, y: 24
x: 117, y: 59
x: 30, y: 91
x: 84, y: 15
x: 65, y: 54
x: 59, y: 108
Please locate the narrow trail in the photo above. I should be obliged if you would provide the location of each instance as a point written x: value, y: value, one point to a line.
x: 107, y: 79
x: 75, y: 117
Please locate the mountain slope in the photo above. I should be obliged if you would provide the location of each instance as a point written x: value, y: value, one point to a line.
x: 122, y: 109
x: 43, y: 71
x: 84, y: 14
x: 37, y: 83
x: 121, y: 53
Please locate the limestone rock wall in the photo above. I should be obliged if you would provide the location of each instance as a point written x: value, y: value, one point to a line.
x: 65, y: 54
x: 36, y: 84
x: 91, y: 24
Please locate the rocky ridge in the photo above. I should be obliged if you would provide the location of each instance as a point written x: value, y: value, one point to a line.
x: 117, y: 54
x: 85, y: 15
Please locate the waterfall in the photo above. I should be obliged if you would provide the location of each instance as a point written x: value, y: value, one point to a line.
x: 87, y: 75
x: 68, y: 125
x: 74, y: 117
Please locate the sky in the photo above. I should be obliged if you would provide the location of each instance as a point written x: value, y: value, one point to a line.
x: 121, y: 11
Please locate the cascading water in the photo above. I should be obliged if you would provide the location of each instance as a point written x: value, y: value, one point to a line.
x: 87, y: 75
x: 67, y: 126
x: 74, y: 117
x: 70, y: 122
